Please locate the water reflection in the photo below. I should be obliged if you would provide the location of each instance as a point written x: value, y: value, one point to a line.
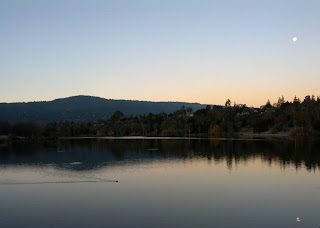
x: 162, y: 183
x: 88, y: 154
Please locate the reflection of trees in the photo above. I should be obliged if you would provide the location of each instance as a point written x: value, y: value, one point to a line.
x: 96, y: 153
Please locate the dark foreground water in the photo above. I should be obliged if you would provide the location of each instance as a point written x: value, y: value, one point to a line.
x: 162, y: 183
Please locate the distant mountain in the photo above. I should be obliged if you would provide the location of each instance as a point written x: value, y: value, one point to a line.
x: 84, y: 108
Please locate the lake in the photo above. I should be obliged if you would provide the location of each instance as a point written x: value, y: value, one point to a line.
x: 161, y: 183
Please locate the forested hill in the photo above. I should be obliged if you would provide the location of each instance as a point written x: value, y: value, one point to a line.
x: 84, y: 108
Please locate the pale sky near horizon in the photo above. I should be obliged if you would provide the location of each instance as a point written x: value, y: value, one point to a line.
x: 192, y: 51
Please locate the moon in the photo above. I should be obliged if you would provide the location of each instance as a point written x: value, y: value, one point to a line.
x: 294, y: 39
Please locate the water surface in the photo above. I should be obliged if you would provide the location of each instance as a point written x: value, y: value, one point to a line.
x: 162, y: 183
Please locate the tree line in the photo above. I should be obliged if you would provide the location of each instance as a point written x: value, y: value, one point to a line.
x: 299, y: 118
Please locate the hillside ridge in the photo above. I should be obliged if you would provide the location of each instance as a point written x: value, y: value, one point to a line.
x: 83, y: 108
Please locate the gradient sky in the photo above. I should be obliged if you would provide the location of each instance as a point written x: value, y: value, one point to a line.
x: 166, y: 50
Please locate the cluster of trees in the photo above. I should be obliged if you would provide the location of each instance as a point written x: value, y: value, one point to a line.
x: 300, y: 118
x: 297, y: 117
x: 26, y: 129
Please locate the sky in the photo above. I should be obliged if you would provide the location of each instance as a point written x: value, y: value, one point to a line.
x: 166, y: 50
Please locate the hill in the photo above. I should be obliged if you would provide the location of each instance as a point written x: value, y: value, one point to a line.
x: 84, y: 108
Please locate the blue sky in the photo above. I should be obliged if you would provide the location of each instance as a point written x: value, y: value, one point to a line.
x: 196, y: 51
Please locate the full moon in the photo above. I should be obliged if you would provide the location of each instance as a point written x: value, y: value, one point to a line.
x: 294, y: 39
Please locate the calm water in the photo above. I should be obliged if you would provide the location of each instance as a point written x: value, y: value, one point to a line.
x: 162, y: 183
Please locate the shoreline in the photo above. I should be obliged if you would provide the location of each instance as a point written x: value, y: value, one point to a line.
x: 4, y: 139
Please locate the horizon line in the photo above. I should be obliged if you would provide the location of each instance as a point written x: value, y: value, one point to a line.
x: 117, y: 99
x: 114, y: 99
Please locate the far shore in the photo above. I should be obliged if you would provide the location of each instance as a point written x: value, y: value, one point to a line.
x: 237, y: 135
x: 5, y: 139
x: 243, y: 136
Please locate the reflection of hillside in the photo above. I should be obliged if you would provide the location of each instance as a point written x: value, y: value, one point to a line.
x: 92, y: 154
